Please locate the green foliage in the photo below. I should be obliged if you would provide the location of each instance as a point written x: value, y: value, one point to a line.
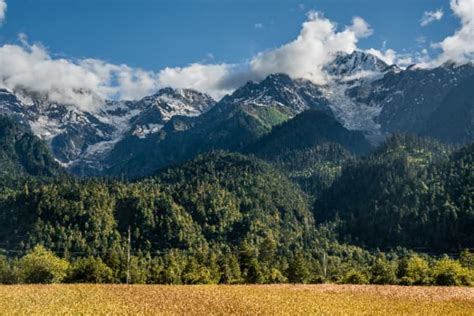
x: 450, y: 272
x: 251, y: 265
x: 383, y: 271
x: 227, y: 126
x: 230, y: 270
x: 229, y: 218
x: 354, y: 277
x: 309, y: 129
x: 314, y: 169
x: 196, y: 273
x: 466, y: 259
x: 41, y: 266
x: 22, y: 154
x: 298, y: 271
x: 90, y: 270
x: 68, y: 216
x: 414, y: 271
x: 7, y: 275
x: 138, y: 270
x: 411, y: 192
x: 233, y: 198
x: 175, y: 263
x: 310, y: 148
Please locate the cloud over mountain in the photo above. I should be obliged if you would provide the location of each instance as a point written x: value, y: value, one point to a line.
x: 460, y: 45
x: 315, y: 46
x: 317, y: 43
x: 79, y: 82
x: 84, y: 82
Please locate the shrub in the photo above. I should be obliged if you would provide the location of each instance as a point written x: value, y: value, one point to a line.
x: 383, y: 271
x: 298, y: 271
x: 6, y: 272
x: 354, y: 277
x: 275, y: 276
x: 451, y: 272
x: 41, y: 266
x: 467, y: 259
x: 415, y: 271
x: 90, y: 270
x: 195, y: 273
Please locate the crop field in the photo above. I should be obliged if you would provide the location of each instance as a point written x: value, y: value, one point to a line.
x: 244, y: 299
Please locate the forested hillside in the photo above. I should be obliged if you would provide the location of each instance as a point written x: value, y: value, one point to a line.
x: 303, y: 208
x: 453, y: 120
x: 411, y: 192
x: 311, y: 149
x: 23, y: 154
x: 222, y: 217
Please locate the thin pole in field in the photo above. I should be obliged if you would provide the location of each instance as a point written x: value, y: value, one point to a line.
x: 129, y: 240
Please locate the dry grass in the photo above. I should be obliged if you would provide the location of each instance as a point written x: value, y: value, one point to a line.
x: 223, y: 300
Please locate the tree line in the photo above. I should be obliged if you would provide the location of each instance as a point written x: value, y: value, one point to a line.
x: 41, y: 265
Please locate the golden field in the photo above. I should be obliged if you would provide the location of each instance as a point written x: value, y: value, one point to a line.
x: 324, y: 299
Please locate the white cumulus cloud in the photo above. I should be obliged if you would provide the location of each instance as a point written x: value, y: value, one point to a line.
x: 207, y: 78
x: 82, y: 83
x: 460, y: 46
x: 431, y: 16
x: 318, y: 42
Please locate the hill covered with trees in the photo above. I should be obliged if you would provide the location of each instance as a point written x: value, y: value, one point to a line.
x: 308, y: 211
x: 411, y: 192
x: 23, y: 154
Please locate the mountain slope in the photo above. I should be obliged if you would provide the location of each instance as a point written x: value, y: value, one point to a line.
x: 138, y: 137
x: 217, y: 200
x: 279, y: 90
x: 80, y: 138
x: 409, y: 193
x: 233, y: 197
x: 226, y: 126
x: 311, y: 149
x: 309, y: 129
x: 23, y: 154
x: 232, y: 124
x: 453, y: 120
x: 405, y: 100
x: 356, y: 64
x: 166, y: 103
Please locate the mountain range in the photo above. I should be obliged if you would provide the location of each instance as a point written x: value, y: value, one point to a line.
x: 363, y: 101
x: 279, y: 176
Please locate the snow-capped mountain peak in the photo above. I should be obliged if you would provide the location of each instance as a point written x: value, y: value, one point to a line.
x: 166, y: 103
x: 349, y: 71
x: 356, y: 63
x: 186, y: 102
x: 296, y: 95
x: 80, y: 137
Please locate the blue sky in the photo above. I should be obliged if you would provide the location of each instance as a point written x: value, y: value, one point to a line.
x: 126, y: 49
x: 155, y: 34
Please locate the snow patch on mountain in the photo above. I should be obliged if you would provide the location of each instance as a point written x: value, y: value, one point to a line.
x: 353, y: 70
x: 79, y: 137
x: 185, y: 102
x: 279, y: 90
x: 353, y: 115
x: 357, y: 64
x: 143, y: 130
